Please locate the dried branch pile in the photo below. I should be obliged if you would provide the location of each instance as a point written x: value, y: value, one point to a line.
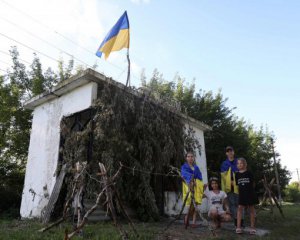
x: 105, y: 197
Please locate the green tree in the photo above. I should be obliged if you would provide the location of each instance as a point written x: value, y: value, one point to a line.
x: 15, y: 123
x: 19, y: 80
x: 65, y: 72
x: 18, y: 119
x: 51, y: 79
x: 292, y: 192
x: 37, y: 77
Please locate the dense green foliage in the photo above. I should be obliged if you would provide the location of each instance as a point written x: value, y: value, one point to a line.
x: 292, y: 192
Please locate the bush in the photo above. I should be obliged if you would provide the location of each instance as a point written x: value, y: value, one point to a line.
x: 292, y: 192
x: 10, y: 203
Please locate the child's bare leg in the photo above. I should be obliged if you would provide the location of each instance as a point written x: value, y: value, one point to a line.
x: 194, y: 217
x: 252, y: 216
x: 239, y: 216
x: 214, y: 216
x: 186, y: 219
x: 189, y: 211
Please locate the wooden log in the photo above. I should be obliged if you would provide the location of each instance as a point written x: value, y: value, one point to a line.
x: 54, y: 195
x: 109, y: 198
x: 66, y: 207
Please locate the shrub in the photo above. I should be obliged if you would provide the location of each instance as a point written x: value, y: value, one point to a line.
x: 292, y: 192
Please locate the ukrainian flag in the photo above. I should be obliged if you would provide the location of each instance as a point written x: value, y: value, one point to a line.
x: 189, y: 175
x: 117, y: 38
x: 228, y: 168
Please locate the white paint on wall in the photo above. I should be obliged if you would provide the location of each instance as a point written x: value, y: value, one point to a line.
x: 44, y: 145
x: 201, y: 158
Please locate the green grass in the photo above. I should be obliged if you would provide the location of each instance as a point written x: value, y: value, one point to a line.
x: 281, y: 228
x: 19, y: 230
x: 287, y: 228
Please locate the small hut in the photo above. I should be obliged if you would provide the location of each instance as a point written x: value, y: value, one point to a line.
x: 91, y: 118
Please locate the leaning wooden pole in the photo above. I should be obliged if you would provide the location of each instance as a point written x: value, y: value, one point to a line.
x: 180, y: 213
x: 124, y: 212
x: 276, y: 173
x: 109, y: 198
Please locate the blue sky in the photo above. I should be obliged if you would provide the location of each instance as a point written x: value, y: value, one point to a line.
x: 249, y: 49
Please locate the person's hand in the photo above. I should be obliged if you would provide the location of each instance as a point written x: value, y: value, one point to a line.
x: 205, y: 186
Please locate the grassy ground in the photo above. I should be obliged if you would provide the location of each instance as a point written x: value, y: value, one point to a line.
x: 21, y: 230
x: 287, y: 228
x: 280, y: 228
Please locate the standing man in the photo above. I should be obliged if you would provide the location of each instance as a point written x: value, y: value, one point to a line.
x: 228, y: 169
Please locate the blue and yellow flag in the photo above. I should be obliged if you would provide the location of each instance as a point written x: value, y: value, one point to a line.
x: 117, y: 38
x: 188, y: 174
x: 228, y: 170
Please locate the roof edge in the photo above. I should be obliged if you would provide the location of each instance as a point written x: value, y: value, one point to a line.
x: 194, y: 122
x: 68, y: 85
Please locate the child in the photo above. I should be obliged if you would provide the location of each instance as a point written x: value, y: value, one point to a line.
x: 192, y: 176
x: 244, y: 180
x: 216, y: 200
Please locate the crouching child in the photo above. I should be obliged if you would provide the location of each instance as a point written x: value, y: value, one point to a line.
x: 217, y: 201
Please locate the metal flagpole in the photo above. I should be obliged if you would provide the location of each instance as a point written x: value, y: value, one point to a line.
x: 128, y: 72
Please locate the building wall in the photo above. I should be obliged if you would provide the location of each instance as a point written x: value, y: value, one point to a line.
x: 44, y: 146
x: 174, y: 200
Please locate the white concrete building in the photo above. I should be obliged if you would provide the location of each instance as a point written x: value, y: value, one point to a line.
x: 73, y: 95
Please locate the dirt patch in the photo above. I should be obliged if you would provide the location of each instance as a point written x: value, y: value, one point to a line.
x: 177, y: 231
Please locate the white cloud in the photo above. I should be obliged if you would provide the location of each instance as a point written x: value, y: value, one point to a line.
x: 84, y: 22
x: 140, y: 1
x: 289, y: 150
x: 136, y: 68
